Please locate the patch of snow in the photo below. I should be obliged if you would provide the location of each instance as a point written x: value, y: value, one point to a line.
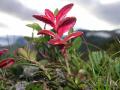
x: 99, y: 34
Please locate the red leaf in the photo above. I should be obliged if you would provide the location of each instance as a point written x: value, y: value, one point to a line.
x: 63, y: 11
x: 47, y: 32
x: 73, y: 35
x: 65, y: 25
x: 3, y: 51
x: 7, y: 63
x: 44, y: 19
x: 49, y: 14
x: 57, y: 42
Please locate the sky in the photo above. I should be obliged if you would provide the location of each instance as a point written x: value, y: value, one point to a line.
x: 90, y: 14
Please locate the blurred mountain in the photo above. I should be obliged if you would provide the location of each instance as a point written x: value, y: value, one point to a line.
x: 101, y: 39
x: 97, y: 39
x: 14, y: 41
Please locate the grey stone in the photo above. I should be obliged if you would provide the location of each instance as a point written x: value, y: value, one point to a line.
x: 21, y: 85
x: 29, y: 71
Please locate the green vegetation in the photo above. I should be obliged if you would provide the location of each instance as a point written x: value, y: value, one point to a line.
x: 54, y: 62
x: 100, y: 72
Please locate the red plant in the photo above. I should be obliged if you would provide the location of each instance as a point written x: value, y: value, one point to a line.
x: 58, y: 40
x: 7, y: 62
x: 60, y: 24
x: 3, y: 51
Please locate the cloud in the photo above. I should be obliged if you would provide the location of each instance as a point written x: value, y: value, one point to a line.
x: 109, y: 12
x: 3, y: 25
x: 86, y: 3
x: 106, y: 12
x: 14, y: 7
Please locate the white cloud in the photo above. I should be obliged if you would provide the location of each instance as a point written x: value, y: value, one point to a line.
x: 85, y: 19
x: 15, y: 26
x: 109, y: 1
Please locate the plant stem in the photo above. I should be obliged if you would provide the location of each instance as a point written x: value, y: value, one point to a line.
x: 45, y: 26
x: 67, y: 65
x: 33, y: 35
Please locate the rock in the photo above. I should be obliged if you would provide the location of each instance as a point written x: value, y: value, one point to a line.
x: 29, y: 71
x: 21, y: 85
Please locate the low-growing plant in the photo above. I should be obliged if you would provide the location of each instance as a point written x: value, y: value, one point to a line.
x: 69, y: 71
x: 52, y: 61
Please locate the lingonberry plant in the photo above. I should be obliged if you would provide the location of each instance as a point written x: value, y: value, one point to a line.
x: 60, y: 24
x: 59, y: 65
x: 6, y: 62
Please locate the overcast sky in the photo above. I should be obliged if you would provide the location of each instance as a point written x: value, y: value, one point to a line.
x: 90, y: 14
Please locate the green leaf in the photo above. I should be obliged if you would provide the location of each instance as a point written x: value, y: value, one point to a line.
x: 44, y: 62
x: 56, y: 11
x: 34, y: 26
x: 32, y: 54
x: 33, y: 86
x: 71, y: 31
x: 75, y: 44
x: 67, y: 88
x: 22, y: 52
x: 117, y: 68
x: 44, y: 39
